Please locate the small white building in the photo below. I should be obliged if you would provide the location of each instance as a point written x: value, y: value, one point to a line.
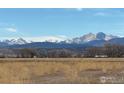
x: 102, y: 56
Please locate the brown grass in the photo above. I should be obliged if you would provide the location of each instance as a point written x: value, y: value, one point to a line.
x: 62, y: 70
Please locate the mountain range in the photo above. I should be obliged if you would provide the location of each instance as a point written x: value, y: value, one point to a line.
x: 91, y: 37
x: 87, y: 40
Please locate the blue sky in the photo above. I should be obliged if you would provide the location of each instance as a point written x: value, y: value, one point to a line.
x: 37, y: 24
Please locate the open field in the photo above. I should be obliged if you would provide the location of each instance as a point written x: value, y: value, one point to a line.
x: 62, y: 70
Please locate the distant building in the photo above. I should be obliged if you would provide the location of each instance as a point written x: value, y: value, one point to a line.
x: 101, y: 56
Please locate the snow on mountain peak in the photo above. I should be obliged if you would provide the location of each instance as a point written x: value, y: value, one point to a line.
x: 90, y: 37
x: 78, y: 40
x: 15, y: 41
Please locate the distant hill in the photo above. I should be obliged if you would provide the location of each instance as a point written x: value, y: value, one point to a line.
x: 47, y: 45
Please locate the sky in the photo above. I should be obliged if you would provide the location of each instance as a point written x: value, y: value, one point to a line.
x: 40, y: 24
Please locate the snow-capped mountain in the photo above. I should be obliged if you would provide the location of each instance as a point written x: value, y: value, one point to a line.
x: 15, y: 41
x: 85, y: 38
x: 109, y: 37
x: 103, y: 36
x: 91, y: 37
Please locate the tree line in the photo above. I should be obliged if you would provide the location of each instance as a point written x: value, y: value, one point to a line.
x: 107, y: 50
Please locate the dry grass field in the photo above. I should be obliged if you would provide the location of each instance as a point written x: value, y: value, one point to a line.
x: 62, y: 71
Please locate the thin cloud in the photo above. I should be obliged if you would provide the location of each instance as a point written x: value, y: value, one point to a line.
x: 74, y: 9
x: 10, y: 29
x: 79, y: 9
x: 2, y: 24
x: 101, y: 14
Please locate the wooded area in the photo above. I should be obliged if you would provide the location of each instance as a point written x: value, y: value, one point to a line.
x: 106, y: 51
